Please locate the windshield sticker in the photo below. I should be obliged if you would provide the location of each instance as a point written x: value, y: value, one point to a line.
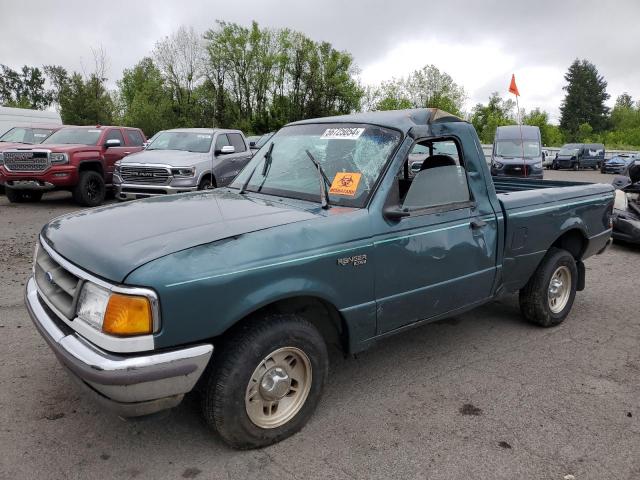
x: 342, y: 133
x: 93, y: 131
x: 345, y: 183
x: 204, y: 136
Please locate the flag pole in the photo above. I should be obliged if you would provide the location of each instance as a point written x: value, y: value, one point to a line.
x: 524, y: 162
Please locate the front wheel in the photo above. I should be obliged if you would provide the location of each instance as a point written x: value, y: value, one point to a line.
x: 90, y: 190
x: 575, y: 167
x: 548, y: 296
x: 265, y: 381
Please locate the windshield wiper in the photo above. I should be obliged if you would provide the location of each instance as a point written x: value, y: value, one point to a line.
x: 267, y: 158
x: 324, y: 182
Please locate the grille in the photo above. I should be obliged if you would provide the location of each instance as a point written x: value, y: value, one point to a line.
x: 56, y: 284
x: 145, y: 175
x: 26, y: 161
x: 516, y: 170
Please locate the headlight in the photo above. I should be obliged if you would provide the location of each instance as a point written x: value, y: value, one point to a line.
x: 115, y: 313
x: 92, y: 304
x: 620, y: 202
x: 183, y: 172
x: 59, y: 158
x: 116, y: 167
x: 537, y: 165
x: 1, y: 158
x: 497, y: 165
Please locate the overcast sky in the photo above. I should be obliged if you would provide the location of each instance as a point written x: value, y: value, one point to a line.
x: 479, y: 43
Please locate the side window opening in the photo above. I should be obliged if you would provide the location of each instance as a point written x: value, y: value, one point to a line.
x: 115, y: 135
x: 237, y: 141
x: 433, y: 175
x: 222, y: 141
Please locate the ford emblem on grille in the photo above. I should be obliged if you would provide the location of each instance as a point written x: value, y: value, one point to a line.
x: 49, y: 277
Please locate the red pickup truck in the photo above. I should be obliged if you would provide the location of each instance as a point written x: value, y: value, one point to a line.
x: 78, y: 159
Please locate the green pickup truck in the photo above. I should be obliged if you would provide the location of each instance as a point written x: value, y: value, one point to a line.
x: 327, y: 236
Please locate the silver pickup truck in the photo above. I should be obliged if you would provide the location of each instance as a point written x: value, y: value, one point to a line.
x: 182, y: 160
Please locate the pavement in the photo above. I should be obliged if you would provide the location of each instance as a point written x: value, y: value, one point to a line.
x: 483, y: 395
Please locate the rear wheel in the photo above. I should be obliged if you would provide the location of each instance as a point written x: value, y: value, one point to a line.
x: 575, y: 166
x: 548, y: 296
x: 23, y: 196
x: 90, y: 190
x: 265, y: 381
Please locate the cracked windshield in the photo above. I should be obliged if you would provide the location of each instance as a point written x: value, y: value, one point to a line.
x: 351, y: 156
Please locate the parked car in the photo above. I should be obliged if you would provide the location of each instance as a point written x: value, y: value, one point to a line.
x: 26, y: 135
x: 548, y: 158
x: 323, y: 238
x: 517, y: 152
x: 618, y: 164
x: 580, y: 155
x: 626, y: 212
x: 79, y: 159
x: 12, y: 117
x: 256, y: 145
x: 182, y: 160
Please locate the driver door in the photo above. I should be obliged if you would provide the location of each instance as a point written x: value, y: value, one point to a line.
x: 440, y: 258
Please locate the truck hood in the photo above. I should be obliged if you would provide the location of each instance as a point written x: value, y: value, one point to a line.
x: 114, y: 240
x: 62, y: 147
x: 174, y: 158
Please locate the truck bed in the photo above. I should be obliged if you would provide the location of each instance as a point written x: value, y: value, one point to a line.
x: 534, y: 211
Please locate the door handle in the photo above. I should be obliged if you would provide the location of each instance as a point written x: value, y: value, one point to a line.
x: 127, y: 153
x: 477, y: 223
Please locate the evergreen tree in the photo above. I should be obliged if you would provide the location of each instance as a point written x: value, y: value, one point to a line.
x: 584, y: 101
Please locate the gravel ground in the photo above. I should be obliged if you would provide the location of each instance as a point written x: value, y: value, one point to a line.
x: 481, y: 396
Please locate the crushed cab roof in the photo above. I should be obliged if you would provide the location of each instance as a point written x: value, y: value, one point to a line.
x: 403, y: 120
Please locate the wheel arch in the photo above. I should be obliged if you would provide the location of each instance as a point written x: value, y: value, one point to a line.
x: 93, y: 164
x: 319, y: 311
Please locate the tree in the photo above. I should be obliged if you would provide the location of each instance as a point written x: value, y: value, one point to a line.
x: 258, y: 79
x: 144, y: 99
x: 426, y: 87
x: 24, y: 89
x: 550, y: 134
x: 180, y: 59
x: 486, y: 118
x: 83, y: 99
x: 584, y: 101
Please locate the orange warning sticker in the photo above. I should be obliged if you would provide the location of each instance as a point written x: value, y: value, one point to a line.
x: 345, y: 183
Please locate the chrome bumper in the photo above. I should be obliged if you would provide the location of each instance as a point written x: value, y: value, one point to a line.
x: 131, y: 385
x: 148, y: 190
x: 29, y: 185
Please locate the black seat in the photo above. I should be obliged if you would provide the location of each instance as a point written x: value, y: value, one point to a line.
x: 435, y: 161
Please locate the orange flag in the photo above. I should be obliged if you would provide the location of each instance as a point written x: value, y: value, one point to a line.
x: 513, y: 88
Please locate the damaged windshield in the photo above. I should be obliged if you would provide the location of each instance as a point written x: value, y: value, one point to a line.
x: 351, y: 155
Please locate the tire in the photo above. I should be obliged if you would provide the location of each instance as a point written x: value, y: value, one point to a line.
x: 535, y: 300
x: 205, y: 183
x: 235, y: 380
x: 555, y: 166
x: 575, y: 167
x: 23, y: 196
x: 90, y: 190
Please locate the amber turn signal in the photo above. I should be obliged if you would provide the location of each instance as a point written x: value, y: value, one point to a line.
x: 128, y: 315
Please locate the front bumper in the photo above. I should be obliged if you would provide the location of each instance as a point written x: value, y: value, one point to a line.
x: 130, y: 385
x: 126, y: 191
x: 55, y: 176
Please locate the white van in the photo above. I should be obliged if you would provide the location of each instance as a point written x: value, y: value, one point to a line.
x: 19, y: 117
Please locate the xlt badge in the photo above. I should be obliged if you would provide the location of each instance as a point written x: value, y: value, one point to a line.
x: 354, y: 260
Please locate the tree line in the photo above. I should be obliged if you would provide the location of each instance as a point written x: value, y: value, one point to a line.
x: 258, y: 79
